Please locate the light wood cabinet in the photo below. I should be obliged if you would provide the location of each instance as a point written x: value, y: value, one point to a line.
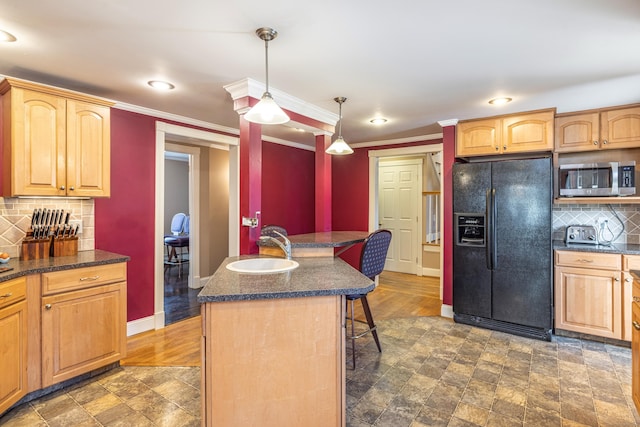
x: 629, y: 262
x: 589, y: 300
x: 56, y: 143
x: 274, y: 362
x: 83, y: 320
x: 525, y: 132
x: 635, y: 355
x: 13, y: 342
x: 608, y: 129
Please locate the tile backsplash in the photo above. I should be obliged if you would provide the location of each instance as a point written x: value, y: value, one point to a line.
x: 629, y: 215
x: 15, y: 220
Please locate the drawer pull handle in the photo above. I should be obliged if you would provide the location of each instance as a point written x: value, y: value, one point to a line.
x: 636, y: 325
x: 47, y: 306
x: 8, y: 295
x: 585, y: 260
x: 82, y: 279
x: 627, y: 280
x: 617, y: 279
x: 636, y: 299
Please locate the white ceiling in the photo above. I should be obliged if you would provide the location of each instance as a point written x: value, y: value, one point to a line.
x: 413, y: 61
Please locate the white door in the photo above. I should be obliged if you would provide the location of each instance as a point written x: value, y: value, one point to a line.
x: 398, y: 194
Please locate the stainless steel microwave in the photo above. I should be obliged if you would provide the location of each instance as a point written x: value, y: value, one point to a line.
x: 597, y: 179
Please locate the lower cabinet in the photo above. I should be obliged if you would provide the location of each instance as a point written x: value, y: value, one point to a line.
x: 589, y: 293
x: 83, y: 327
x: 13, y: 342
x: 635, y: 355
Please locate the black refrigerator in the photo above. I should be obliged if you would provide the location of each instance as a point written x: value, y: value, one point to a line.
x: 502, y: 254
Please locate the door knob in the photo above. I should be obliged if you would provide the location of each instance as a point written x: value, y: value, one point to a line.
x: 636, y: 325
x: 47, y: 306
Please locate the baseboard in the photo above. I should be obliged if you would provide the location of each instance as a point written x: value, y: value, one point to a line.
x: 204, y: 280
x: 141, y: 325
x: 446, y: 311
x: 432, y: 272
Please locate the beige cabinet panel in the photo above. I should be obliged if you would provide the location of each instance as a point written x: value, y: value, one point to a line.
x: 82, y: 330
x: 528, y: 132
x: 635, y: 356
x: 588, y: 260
x: 13, y: 342
x: 620, y: 128
x: 577, y: 132
x: 589, y: 301
x: 479, y: 137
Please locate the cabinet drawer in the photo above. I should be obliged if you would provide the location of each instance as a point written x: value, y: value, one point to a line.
x: 12, y: 291
x: 589, y: 260
x: 80, y: 278
x: 630, y: 262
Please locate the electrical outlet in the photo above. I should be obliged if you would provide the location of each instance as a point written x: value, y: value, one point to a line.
x: 77, y: 222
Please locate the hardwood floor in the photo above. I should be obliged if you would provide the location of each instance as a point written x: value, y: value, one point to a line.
x: 397, y: 295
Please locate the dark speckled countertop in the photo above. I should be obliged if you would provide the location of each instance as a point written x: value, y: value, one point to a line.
x: 45, y: 265
x: 614, y: 248
x: 323, y: 239
x: 316, y: 276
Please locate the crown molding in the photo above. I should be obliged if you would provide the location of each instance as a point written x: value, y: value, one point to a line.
x: 255, y: 89
x: 397, y: 141
x: 449, y: 122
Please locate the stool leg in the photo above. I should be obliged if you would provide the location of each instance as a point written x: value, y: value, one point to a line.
x: 367, y: 313
x: 353, y: 334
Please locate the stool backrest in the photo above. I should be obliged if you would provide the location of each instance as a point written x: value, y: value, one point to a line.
x: 374, y: 253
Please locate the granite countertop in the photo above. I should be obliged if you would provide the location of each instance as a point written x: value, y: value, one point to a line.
x: 45, y: 265
x: 316, y: 276
x: 614, y: 248
x: 323, y: 239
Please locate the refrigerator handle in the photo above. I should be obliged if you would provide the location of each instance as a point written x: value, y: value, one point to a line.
x: 488, y: 237
x: 494, y: 239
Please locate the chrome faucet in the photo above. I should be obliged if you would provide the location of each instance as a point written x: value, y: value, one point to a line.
x: 286, y: 246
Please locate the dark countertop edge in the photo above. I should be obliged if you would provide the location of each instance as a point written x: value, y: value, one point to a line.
x: 83, y: 259
x: 614, y: 248
x: 281, y: 295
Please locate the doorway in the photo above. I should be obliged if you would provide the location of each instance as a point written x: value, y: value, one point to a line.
x: 424, y: 253
x: 192, y: 142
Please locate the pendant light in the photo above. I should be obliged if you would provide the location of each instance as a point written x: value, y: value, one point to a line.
x: 339, y: 146
x: 266, y: 111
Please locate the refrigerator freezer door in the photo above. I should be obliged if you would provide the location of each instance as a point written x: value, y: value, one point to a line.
x: 471, y: 278
x: 522, y: 285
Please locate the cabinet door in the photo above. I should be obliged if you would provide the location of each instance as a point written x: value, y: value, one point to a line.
x: 88, y: 149
x: 38, y: 143
x: 620, y: 128
x: 635, y: 356
x: 13, y: 354
x: 81, y: 331
x: 479, y: 138
x: 578, y: 132
x: 588, y: 301
x: 627, y: 302
x: 528, y: 132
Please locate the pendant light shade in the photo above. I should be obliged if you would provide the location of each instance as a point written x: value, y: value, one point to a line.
x: 339, y: 146
x: 266, y: 112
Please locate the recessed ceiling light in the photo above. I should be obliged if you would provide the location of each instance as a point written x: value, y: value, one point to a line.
x: 159, y: 84
x: 500, y: 101
x: 378, y: 120
x: 7, y: 37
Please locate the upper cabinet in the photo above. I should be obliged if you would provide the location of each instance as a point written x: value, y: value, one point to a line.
x: 55, y: 142
x: 519, y: 133
x: 598, y: 130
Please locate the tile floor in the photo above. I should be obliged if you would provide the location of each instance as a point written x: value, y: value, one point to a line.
x: 432, y: 372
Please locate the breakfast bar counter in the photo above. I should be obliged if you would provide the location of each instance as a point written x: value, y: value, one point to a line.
x: 273, y: 344
x: 320, y: 243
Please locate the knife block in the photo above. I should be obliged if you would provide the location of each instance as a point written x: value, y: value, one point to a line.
x: 35, y: 248
x: 64, y: 246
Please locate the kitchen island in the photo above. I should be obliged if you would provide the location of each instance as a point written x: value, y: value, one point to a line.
x: 321, y: 243
x: 273, y: 344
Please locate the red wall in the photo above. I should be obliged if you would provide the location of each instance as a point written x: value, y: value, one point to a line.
x: 288, y: 188
x: 124, y: 223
